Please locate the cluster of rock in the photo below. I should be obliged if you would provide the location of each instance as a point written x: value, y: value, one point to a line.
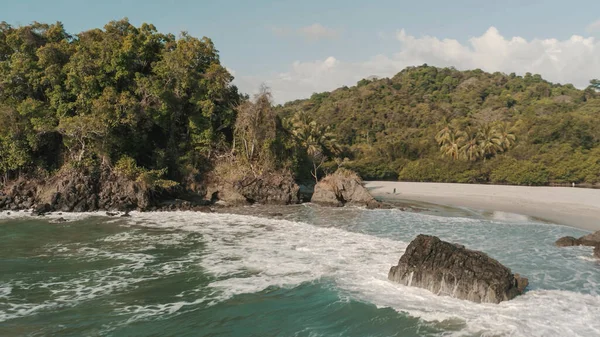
x: 341, y: 188
x: 77, y: 191
x: 591, y: 240
x: 452, y: 270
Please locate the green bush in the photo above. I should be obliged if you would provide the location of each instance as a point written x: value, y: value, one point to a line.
x: 520, y: 172
x: 127, y: 167
x: 429, y: 170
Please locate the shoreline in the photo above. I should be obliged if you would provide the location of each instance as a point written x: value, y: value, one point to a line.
x: 574, y: 207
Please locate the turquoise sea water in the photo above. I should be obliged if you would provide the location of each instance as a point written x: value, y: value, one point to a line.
x: 310, y: 271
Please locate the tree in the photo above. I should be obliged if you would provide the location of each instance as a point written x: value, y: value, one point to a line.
x: 79, y: 131
x: 505, y: 135
x: 256, y: 127
x: 489, y: 141
x: 316, y: 139
x: 470, y: 149
x: 452, y: 144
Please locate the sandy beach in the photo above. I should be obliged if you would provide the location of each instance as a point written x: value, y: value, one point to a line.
x: 576, y: 207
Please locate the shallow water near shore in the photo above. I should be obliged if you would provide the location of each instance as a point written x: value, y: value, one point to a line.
x: 280, y: 271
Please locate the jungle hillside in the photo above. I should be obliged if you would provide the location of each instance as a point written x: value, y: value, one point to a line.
x: 433, y: 124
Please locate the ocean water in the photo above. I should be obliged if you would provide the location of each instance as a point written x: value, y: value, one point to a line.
x: 309, y: 271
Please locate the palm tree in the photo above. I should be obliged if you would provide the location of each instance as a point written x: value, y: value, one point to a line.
x: 317, y: 140
x: 452, y: 144
x: 489, y: 141
x: 470, y: 149
x: 442, y: 136
x: 505, y: 135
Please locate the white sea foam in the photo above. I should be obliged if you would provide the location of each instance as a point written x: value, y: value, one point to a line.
x: 143, y: 312
x: 5, y: 290
x: 510, y: 217
x: 248, y: 254
x: 90, y: 284
x: 69, y: 216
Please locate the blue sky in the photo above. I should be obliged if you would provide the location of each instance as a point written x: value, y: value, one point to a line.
x: 300, y: 47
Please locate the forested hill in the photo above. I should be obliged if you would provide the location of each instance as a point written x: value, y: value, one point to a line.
x: 434, y: 124
x: 150, y: 103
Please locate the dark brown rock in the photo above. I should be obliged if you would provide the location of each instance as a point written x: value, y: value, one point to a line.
x: 270, y: 188
x: 42, y: 209
x: 597, y: 251
x: 452, y: 270
x: 567, y: 241
x: 590, y: 239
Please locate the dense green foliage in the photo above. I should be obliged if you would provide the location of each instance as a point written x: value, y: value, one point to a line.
x: 159, y: 108
x: 162, y: 103
x: 433, y: 124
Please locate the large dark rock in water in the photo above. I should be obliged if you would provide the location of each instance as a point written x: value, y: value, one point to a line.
x: 341, y: 188
x: 591, y: 240
x: 597, y: 251
x: 452, y: 270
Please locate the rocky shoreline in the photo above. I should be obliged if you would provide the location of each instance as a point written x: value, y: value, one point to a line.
x: 74, y: 191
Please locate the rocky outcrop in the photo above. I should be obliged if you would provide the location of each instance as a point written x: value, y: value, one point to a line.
x: 79, y: 191
x: 567, y: 241
x: 74, y: 191
x: 586, y: 240
x: 597, y: 251
x: 273, y: 188
x: 452, y: 270
x: 590, y: 239
x: 343, y: 187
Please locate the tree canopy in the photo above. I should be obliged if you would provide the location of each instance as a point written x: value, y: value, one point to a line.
x: 441, y: 124
x: 106, y: 94
x: 162, y: 108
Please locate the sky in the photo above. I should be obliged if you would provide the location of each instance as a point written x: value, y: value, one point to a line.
x: 305, y: 46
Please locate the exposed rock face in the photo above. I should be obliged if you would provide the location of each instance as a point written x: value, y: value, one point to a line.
x: 275, y: 188
x: 78, y: 192
x: 590, y: 239
x: 587, y: 240
x: 341, y: 188
x: 75, y: 191
x: 452, y: 270
x: 597, y: 251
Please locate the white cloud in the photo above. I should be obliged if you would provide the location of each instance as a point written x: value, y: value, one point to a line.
x: 594, y: 27
x: 317, y: 31
x: 575, y: 60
